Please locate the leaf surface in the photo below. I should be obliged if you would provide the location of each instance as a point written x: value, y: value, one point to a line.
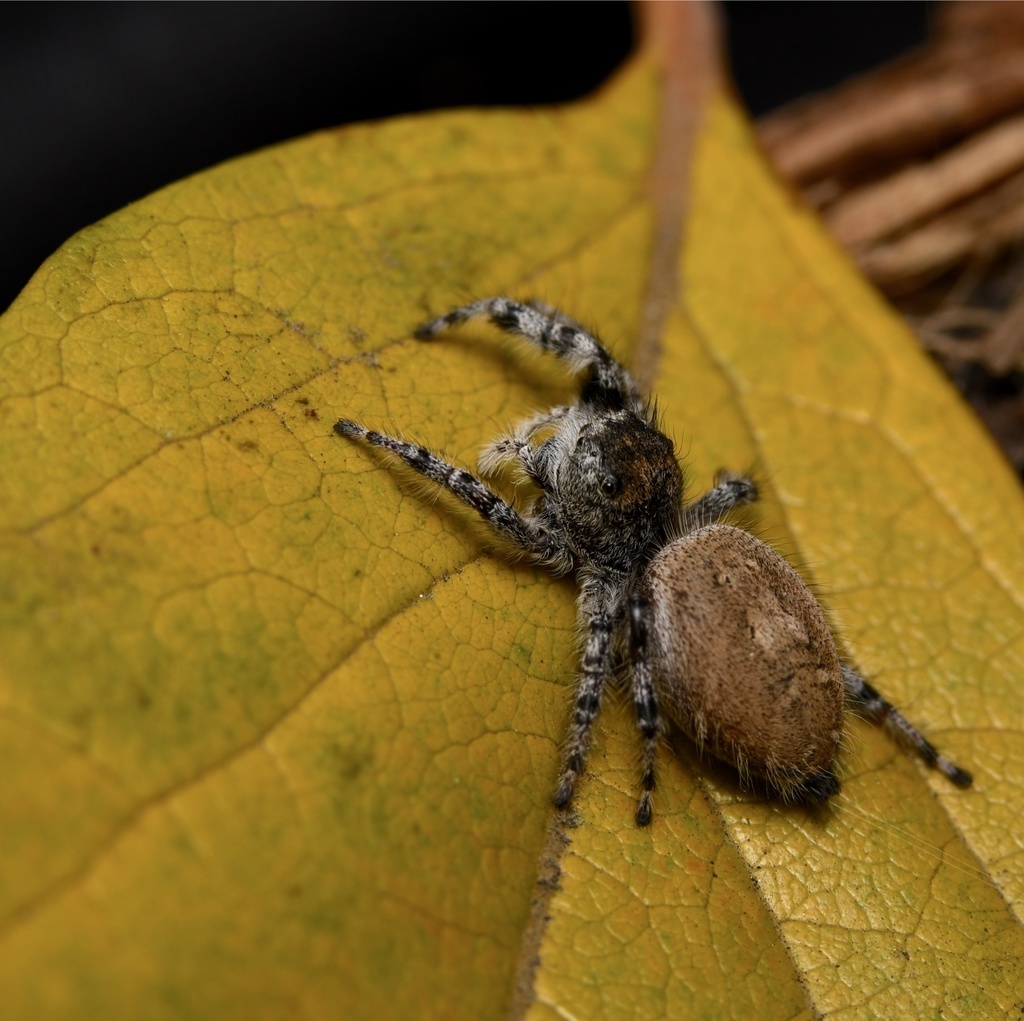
x: 279, y: 731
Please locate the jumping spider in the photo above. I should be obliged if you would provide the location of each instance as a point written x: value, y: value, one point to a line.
x: 721, y: 634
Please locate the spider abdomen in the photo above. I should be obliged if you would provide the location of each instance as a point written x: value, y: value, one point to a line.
x: 744, y: 660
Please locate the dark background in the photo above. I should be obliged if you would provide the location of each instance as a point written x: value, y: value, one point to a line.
x: 101, y: 104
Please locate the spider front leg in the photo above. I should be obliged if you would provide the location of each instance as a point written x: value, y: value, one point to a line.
x: 527, y: 533
x: 608, y: 381
x: 878, y: 710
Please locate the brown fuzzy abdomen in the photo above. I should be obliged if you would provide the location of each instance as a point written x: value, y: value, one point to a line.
x: 744, y: 659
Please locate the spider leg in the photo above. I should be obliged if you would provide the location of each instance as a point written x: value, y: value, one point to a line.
x: 527, y: 533
x: 554, y: 313
x: 730, y: 491
x: 589, y: 687
x: 878, y: 710
x: 648, y: 719
x: 608, y: 384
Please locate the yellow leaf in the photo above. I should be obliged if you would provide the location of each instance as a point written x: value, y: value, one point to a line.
x: 279, y: 734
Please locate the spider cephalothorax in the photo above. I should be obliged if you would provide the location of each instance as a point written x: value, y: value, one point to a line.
x: 720, y: 633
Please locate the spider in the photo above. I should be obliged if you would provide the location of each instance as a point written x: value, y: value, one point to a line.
x: 718, y: 631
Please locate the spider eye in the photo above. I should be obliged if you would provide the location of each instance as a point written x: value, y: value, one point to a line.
x: 611, y: 485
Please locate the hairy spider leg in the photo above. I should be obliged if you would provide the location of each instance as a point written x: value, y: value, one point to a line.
x: 608, y: 383
x: 877, y: 709
x: 648, y: 718
x: 529, y: 535
x: 730, y: 491
x: 554, y: 313
x: 594, y: 607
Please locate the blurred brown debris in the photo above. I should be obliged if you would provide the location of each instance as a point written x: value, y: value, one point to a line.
x: 918, y: 169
